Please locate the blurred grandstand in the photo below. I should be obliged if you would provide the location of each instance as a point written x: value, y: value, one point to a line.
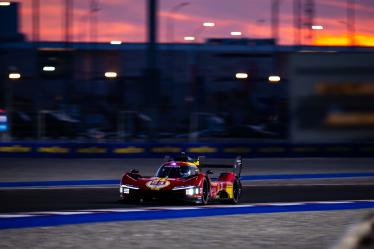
x: 222, y: 89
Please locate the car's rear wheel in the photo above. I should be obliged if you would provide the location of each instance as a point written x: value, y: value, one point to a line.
x: 237, y: 189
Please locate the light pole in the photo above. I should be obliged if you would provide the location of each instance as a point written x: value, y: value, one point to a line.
x: 316, y: 29
x: 152, y: 72
x: 68, y: 17
x: 297, y: 18
x: 170, y: 21
x: 93, y: 38
x: 35, y: 22
x: 197, y: 33
x: 201, y: 29
x: 275, y: 20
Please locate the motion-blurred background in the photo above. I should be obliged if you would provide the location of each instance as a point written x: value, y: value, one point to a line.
x: 299, y: 71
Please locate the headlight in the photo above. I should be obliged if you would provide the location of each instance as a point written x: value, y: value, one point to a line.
x: 182, y: 187
x: 125, y: 189
x: 190, y: 190
x: 129, y: 186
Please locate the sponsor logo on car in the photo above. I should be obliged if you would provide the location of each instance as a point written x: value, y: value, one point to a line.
x: 157, y: 184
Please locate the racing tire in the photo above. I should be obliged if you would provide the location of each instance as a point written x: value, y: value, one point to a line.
x: 237, y: 190
x: 205, y: 195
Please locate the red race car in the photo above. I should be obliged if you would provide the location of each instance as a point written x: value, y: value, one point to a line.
x: 182, y: 178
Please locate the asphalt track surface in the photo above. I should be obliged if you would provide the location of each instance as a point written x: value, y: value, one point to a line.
x: 30, y: 200
x: 264, y: 225
x: 57, y: 198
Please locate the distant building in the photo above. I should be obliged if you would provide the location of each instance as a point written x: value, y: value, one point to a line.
x: 9, y: 22
x: 194, y: 78
x: 198, y: 73
x: 332, y: 97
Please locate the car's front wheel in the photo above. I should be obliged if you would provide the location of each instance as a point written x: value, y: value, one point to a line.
x: 205, y: 194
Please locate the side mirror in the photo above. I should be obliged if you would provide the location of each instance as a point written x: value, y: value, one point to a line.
x: 209, y: 172
x: 134, y: 171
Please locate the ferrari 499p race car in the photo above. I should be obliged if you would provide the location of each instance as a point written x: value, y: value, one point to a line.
x: 183, y: 178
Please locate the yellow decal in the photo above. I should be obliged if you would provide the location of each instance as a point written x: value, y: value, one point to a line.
x: 157, y: 184
x: 202, y: 149
x: 230, y: 190
x: 53, y: 149
x: 92, y: 150
x: 166, y: 149
x: 129, y: 150
x: 15, y: 148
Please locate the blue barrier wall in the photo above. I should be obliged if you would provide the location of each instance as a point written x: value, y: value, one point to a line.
x: 144, y: 150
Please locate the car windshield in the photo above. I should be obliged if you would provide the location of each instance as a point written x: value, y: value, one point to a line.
x: 169, y: 171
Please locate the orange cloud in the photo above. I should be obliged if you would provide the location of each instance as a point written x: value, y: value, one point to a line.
x: 177, y: 16
x: 121, y: 31
x: 339, y: 40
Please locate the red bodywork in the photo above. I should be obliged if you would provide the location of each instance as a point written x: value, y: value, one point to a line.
x: 197, y: 188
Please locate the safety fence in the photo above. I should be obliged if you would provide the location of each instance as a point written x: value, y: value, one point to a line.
x: 149, y: 150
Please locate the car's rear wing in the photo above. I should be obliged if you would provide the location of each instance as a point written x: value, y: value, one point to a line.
x: 236, y: 167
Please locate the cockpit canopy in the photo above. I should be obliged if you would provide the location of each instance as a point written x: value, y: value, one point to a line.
x: 172, y: 170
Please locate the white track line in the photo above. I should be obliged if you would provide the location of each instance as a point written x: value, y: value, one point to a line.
x: 122, y: 210
x: 333, y: 202
x: 63, y: 213
x: 147, y: 209
x: 15, y: 215
x: 288, y: 204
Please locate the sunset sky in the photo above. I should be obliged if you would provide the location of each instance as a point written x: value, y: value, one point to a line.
x: 125, y: 20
